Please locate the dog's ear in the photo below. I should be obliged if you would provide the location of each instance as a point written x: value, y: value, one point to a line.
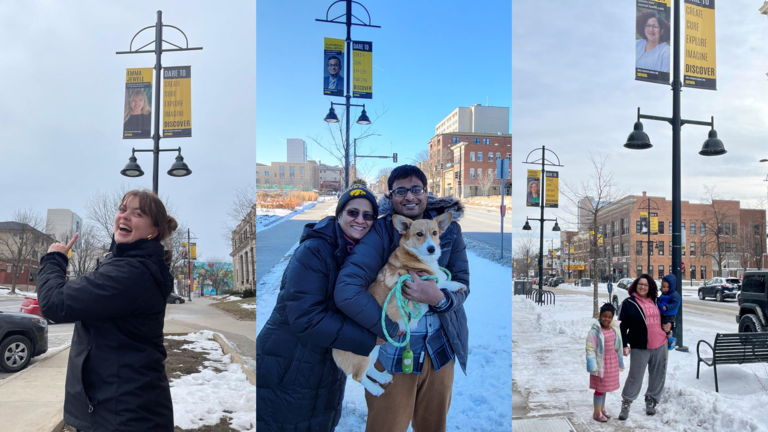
x: 402, y: 224
x: 443, y: 221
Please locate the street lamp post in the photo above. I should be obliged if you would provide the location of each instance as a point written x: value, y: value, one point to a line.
x: 331, y: 117
x: 179, y: 168
x: 544, y: 162
x: 638, y: 140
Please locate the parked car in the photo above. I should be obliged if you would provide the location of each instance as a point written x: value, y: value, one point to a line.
x: 174, y: 298
x: 753, y: 302
x: 720, y: 288
x: 555, y: 281
x: 620, y: 292
x: 30, y: 306
x: 22, y: 337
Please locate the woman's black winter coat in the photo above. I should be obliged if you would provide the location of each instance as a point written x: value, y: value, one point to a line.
x: 299, y: 386
x: 116, y: 377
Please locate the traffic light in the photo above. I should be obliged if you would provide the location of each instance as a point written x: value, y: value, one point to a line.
x: 394, y: 157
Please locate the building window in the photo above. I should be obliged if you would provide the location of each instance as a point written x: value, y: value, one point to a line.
x: 661, y: 271
x: 639, y: 270
x: 471, y: 173
x: 471, y: 156
x: 266, y: 173
x: 719, y: 228
x: 670, y: 248
x: 498, y: 155
x: 625, y: 227
x: 693, y: 272
x: 650, y: 270
x: 477, y: 141
x: 490, y: 156
x: 508, y: 155
x: 661, y: 227
x: 727, y: 247
x: 733, y: 229
x: 757, y: 230
x: 625, y: 249
x: 727, y: 229
x: 639, y: 248
x: 615, y: 228
x: 455, y: 140
x: 486, y: 141
x: 282, y: 171
x: 703, y: 250
x: 490, y: 173
x: 616, y: 249
x: 480, y: 173
x: 637, y: 227
x: 693, y: 228
x: 693, y: 249
x: 661, y: 248
x: 301, y: 171
x: 479, y: 156
x: 703, y: 230
x: 703, y: 272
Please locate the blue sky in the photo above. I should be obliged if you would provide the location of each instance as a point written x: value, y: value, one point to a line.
x: 574, y: 92
x: 429, y: 57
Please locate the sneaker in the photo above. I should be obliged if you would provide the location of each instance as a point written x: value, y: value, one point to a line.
x: 650, y: 406
x: 672, y: 343
x: 625, y: 403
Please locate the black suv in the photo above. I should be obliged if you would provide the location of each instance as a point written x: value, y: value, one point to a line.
x: 720, y: 288
x: 753, y: 302
x: 555, y: 281
x: 22, y: 336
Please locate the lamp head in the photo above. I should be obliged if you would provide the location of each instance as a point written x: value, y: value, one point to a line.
x: 527, y: 226
x: 713, y: 146
x: 132, y: 169
x: 363, y: 119
x: 637, y: 139
x: 556, y: 227
x: 331, y: 116
x: 179, y: 168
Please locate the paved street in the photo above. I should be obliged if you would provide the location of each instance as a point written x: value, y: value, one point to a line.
x: 485, y: 226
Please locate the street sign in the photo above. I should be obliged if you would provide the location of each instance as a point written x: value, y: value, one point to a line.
x: 683, y: 266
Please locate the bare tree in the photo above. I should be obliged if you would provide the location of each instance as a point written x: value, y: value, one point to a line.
x: 525, y: 251
x: 216, y: 273
x: 589, y: 197
x: 86, y: 251
x: 241, y: 209
x: 718, y: 242
x: 337, y: 146
x: 485, y: 181
x: 23, y: 242
x: 751, y: 241
x: 101, y: 208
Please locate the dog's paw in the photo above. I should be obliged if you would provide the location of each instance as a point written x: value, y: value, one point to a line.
x: 452, y: 286
x: 372, y: 388
x: 382, y: 378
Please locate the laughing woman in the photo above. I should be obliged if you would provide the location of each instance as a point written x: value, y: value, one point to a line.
x: 116, y: 377
x: 299, y: 386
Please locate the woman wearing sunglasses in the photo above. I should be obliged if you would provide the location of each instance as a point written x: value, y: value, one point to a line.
x: 299, y: 387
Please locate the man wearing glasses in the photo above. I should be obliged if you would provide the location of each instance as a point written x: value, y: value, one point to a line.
x: 423, y: 397
x: 334, y: 82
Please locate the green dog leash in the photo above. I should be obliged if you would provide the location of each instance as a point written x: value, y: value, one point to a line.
x: 408, y: 316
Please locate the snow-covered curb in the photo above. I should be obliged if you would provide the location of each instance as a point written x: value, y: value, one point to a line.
x: 219, y: 390
x: 306, y: 206
x: 488, y: 252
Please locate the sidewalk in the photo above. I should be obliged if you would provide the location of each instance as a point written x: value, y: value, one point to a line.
x: 34, y: 398
x: 274, y: 242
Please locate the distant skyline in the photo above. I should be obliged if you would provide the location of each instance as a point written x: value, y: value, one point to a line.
x: 573, y: 90
x: 421, y: 73
x: 63, y: 103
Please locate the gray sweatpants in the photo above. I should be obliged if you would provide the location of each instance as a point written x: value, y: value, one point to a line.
x: 656, y: 361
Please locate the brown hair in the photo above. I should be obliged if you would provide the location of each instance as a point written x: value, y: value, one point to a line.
x: 653, y: 291
x: 151, y: 205
x: 643, y: 18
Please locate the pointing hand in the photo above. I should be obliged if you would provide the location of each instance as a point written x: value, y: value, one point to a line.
x: 63, y: 248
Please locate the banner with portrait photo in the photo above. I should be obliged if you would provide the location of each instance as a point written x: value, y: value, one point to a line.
x: 652, y: 38
x: 552, y: 186
x: 137, y: 118
x: 333, y: 67
x: 700, y: 66
x: 177, y: 102
x: 362, y: 70
x: 654, y: 223
x: 533, y: 188
x: 643, y: 222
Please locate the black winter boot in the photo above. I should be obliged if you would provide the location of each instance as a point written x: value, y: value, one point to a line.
x: 650, y: 405
x: 625, y: 404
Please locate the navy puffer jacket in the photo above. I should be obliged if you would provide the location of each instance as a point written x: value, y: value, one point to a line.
x: 116, y: 377
x: 371, y: 255
x: 299, y: 386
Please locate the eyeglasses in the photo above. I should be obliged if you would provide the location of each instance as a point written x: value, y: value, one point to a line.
x: 651, y: 26
x: 401, y: 192
x: 337, y: 65
x: 355, y: 213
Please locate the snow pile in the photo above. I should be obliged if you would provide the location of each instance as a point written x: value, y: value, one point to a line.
x: 549, y: 367
x: 248, y: 305
x: 481, y: 401
x: 219, y: 390
x: 5, y: 291
x: 267, y: 218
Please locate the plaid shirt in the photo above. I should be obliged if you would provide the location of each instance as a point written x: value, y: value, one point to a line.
x: 429, y: 337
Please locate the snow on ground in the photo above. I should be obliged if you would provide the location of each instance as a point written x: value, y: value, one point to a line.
x: 267, y: 218
x: 549, y: 367
x: 482, y: 399
x: 5, y: 291
x: 248, y: 306
x: 219, y: 390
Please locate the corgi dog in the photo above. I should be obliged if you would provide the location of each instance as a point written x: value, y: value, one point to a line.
x: 418, y: 251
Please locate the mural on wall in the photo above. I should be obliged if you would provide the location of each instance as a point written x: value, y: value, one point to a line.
x: 213, y: 277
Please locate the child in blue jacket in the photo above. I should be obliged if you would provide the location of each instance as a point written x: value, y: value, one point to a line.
x: 669, y: 302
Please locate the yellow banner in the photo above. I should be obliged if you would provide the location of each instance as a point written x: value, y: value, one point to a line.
x: 554, y: 254
x: 177, y: 102
x: 193, y: 251
x: 654, y: 223
x: 137, y: 116
x: 552, y: 185
x: 574, y: 267
x: 362, y: 70
x: 571, y: 249
x: 533, y: 195
x: 700, y: 66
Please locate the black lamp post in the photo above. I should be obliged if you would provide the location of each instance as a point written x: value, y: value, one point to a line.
x: 638, y: 140
x: 179, y: 168
x: 331, y: 117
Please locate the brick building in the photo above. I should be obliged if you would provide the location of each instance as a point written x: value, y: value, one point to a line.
x: 288, y: 175
x: 243, y: 249
x: 21, y: 247
x: 720, y: 238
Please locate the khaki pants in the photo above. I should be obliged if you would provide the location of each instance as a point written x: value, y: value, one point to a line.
x: 421, y: 399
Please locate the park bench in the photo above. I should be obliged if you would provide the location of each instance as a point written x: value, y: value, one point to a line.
x: 734, y: 348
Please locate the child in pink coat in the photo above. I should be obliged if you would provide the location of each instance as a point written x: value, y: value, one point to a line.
x: 604, y: 359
